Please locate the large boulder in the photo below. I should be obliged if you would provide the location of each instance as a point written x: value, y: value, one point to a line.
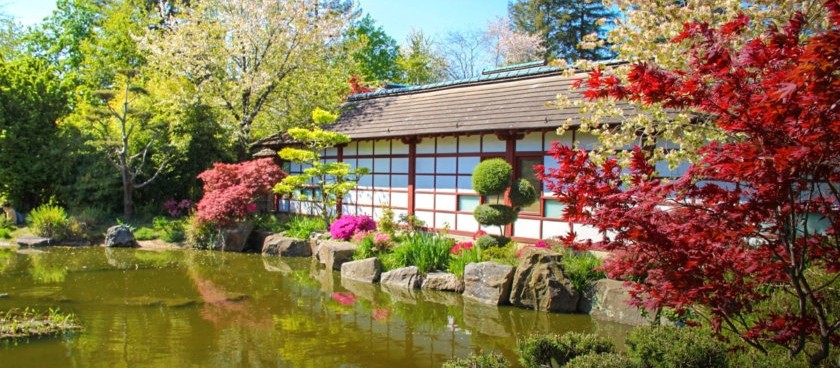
x: 539, y: 283
x: 235, y: 239
x: 608, y: 300
x: 256, y: 240
x: 333, y: 254
x: 366, y: 270
x: 442, y: 281
x: 120, y: 236
x: 281, y: 245
x: 488, y: 282
x: 406, y: 277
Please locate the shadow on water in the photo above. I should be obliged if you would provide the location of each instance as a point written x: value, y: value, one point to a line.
x: 170, y: 308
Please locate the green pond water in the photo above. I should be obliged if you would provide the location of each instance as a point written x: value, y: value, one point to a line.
x: 178, y: 308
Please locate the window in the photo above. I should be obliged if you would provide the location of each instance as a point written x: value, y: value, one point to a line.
x: 525, y: 170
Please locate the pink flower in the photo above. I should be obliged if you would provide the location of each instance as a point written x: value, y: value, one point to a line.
x: 380, y: 314
x: 542, y: 244
x: 345, y: 298
x: 458, y: 248
x: 251, y: 207
x: 381, y: 239
x: 479, y: 234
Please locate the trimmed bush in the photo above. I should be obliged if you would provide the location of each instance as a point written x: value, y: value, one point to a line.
x: 503, y: 254
x: 495, y: 214
x: 554, y: 350
x: 49, y: 221
x: 522, y: 193
x: 491, y: 360
x: 486, y: 242
x: 671, y: 346
x: 606, y: 360
x: 492, y: 177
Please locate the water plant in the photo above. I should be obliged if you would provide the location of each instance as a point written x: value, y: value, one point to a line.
x: 16, y: 323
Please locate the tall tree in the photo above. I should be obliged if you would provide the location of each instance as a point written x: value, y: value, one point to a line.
x: 465, y: 52
x: 241, y: 55
x: 373, y: 52
x: 570, y: 29
x: 420, y: 61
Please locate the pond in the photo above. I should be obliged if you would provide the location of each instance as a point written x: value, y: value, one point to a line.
x: 178, y: 308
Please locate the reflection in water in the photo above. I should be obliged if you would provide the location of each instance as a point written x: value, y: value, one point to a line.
x: 194, y: 308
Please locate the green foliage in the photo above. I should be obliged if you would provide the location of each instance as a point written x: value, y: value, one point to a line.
x: 373, y: 51
x: 91, y: 217
x: 301, y: 227
x: 419, y: 61
x: 269, y: 222
x: 492, y: 177
x: 145, y: 233
x: 671, y: 346
x: 554, y: 350
x: 458, y: 262
x: 495, y: 214
x: 386, y: 223
x: 169, y: 230
x: 523, y: 193
x: 331, y: 180
x: 427, y: 251
x: 580, y: 269
x: 201, y: 234
x: 505, y: 254
x: 5, y: 233
x: 487, y: 242
x: 605, y: 360
x: 16, y: 324
x: 491, y: 360
x: 49, y: 221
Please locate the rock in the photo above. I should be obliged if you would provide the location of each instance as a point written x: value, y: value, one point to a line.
x: 279, y: 244
x: 363, y: 290
x: 539, y: 283
x: 400, y: 294
x: 315, y: 240
x: 234, y: 239
x: 406, y: 277
x: 443, y: 281
x: 33, y: 241
x: 607, y: 300
x: 366, y: 270
x: 120, y: 236
x: 275, y: 264
x: 333, y: 254
x: 441, y: 297
x: 485, y: 319
x: 488, y: 282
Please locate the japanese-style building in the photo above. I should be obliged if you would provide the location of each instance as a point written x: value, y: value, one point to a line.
x: 421, y: 144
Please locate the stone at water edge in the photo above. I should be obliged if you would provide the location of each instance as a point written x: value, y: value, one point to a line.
x: 443, y: 281
x: 32, y: 241
x: 608, y: 300
x: 234, y: 239
x: 539, y: 283
x: 488, y: 282
x: 120, y: 236
x: 405, y: 277
x: 333, y: 254
x: 365, y: 270
x: 279, y: 244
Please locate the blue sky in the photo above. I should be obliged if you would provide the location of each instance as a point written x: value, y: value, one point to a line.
x: 397, y: 17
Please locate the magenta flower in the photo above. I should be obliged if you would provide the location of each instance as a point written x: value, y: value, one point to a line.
x: 459, y: 247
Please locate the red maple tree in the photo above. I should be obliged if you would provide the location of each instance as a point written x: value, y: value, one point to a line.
x: 749, y: 235
x: 230, y: 189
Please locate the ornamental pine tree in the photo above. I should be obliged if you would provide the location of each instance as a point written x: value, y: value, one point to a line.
x: 749, y: 236
x: 493, y: 178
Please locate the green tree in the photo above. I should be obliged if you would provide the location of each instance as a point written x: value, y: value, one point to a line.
x: 571, y: 29
x: 249, y: 58
x: 32, y: 162
x: 373, y: 52
x: 328, y: 182
x: 420, y: 61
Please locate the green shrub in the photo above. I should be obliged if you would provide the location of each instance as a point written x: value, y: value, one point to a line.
x: 301, y: 227
x: 268, y: 222
x: 580, y: 268
x: 605, y: 360
x: 492, y: 177
x: 145, y: 233
x: 427, y: 251
x: 386, y: 223
x: 487, y: 242
x: 555, y: 350
x: 671, y: 346
x: 491, y: 360
x: 5, y: 233
x: 49, y: 221
x: 201, y: 234
x: 503, y: 254
x: 522, y: 193
x: 92, y: 216
x: 458, y: 262
x: 169, y: 230
x: 495, y: 214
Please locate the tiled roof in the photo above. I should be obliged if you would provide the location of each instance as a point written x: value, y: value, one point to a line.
x: 515, y: 99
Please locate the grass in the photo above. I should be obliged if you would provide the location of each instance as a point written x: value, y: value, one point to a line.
x: 301, y: 227
x: 427, y: 251
x: 17, y: 324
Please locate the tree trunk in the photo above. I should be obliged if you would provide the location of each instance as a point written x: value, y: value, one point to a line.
x: 128, y: 193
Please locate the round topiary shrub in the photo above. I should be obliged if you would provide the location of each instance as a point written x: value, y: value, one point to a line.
x: 492, y: 177
x: 522, y: 193
x: 555, y: 350
x: 671, y: 346
x: 495, y: 214
x: 486, y: 242
x: 605, y: 360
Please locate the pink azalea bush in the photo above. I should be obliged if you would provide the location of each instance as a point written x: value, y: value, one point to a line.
x: 348, y: 225
x: 177, y: 208
x: 461, y: 246
x: 230, y: 189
